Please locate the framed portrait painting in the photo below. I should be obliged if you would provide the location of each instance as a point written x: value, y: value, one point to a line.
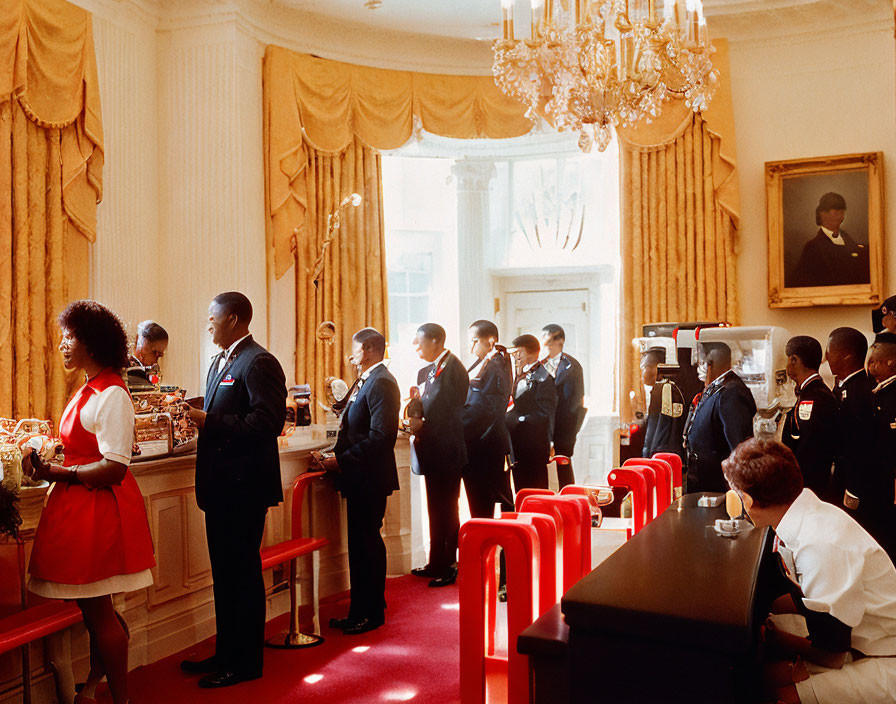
x: 825, y: 230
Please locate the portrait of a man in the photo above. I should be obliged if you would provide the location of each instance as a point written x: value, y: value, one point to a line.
x: 825, y: 230
x: 833, y: 257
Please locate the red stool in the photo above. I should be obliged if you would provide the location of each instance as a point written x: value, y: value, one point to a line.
x: 674, y: 462
x: 523, y: 493
x: 291, y: 550
x: 549, y: 540
x: 573, y: 517
x: 477, y: 542
x: 663, y: 472
x: 635, y: 482
x: 650, y: 481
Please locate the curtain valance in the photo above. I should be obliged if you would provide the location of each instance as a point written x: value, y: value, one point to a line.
x: 47, y: 64
x: 331, y: 103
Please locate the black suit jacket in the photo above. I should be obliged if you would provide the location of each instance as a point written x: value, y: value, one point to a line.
x: 853, y: 470
x: 237, y: 460
x: 824, y: 263
x: 484, y: 413
x: 884, y: 457
x: 440, y: 443
x: 570, y: 386
x: 531, y: 420
x: 365, y: 447
x: 665, y: 420
x: 719, y: 422
x: 810, y: 430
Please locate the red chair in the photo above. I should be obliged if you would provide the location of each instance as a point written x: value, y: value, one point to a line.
x: 674, y: 462
x: 635, y: 482
x: 523, y: 493
x: 663, y: 472
x: 30, y: 623
x: 573, y: 518
x: 549, y: 585
x: 290, y: 551
x: 477, y: 542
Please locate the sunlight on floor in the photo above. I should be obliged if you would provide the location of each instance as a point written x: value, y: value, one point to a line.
x: 313, y: 679
x: 401, y: 695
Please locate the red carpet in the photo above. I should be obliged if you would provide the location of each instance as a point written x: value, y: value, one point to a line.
x: 413, y: 658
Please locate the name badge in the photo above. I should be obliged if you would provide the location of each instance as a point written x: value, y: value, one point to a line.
x: 805, y: 410
x: 227, y: 381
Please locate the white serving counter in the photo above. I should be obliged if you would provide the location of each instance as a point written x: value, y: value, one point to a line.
x: 178, y: 610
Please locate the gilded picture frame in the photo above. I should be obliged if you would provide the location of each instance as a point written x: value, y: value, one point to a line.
x: 812, y: 262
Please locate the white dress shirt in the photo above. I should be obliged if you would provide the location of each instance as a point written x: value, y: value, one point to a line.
x: 836, y: 238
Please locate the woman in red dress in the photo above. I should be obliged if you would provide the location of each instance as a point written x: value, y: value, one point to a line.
x: 93, y: 538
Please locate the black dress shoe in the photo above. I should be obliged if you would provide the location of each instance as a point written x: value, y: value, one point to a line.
x: 446, y: 579
x: 427, y: 571
x: 363, y: 626
x: 199, y: 667
x: 226, y: 678
x: 342, y: 622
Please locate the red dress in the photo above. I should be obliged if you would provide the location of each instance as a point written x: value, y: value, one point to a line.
x: 89, y: 535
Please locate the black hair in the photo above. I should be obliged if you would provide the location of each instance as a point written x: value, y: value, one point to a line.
x: 151, y: 331
x: 99, y: 330
x: 235, y: 303
x: 433, y: 331
x: 829, y: 201
x: 886, y: 341
x: 719, y: 350
x: 808, y: 349
x: 555, y: 331
x: 371, y: 339
x: 528, y: 342
x: 850, y: 341
x: 485, y: 328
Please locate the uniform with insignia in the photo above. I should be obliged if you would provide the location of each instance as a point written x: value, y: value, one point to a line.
x: 853, y: 474
x: 719, y: 421
x: 530, y: 423
x: 884, y: 459
x: 569, y: 379
x: 810, y: 431
x: 665, y: 420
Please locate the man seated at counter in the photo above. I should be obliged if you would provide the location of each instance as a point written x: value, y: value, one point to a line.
x: 842, y: 583
x: 151, y: 344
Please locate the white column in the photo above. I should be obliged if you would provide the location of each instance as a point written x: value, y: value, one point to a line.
x: 475, y: 287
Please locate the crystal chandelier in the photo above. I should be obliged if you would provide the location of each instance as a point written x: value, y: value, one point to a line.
x: 590, y: 65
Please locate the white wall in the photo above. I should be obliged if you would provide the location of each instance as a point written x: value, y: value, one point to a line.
x: 805, y: 95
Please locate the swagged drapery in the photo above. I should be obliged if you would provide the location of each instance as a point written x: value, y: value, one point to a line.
x: 324, y: 121
x: 680, y: 215
x: 51, y: 159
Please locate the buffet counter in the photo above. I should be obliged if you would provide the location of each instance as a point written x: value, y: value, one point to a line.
x: 177, y: 611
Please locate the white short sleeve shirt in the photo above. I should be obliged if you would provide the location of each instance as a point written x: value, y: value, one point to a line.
x: 109, y: 415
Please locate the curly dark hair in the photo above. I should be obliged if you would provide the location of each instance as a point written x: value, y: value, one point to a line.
x: 99, y: 329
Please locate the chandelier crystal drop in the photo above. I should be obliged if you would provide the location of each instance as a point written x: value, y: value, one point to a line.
x: 591, y: 65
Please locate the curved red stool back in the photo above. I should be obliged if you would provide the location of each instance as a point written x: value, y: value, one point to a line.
x: 650, y: 481
x: 551, y: 556
x: 573, y: 518
x: 634, y: 481
x: 663, y: 480
x: 523, y: 493
x: 477, y: 541
x: 674, y: 462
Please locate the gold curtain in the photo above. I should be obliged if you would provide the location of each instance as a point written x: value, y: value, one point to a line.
x: 51, y: 159
x: 352, y: 289
x: 680, y: 215
x: 309, y: 101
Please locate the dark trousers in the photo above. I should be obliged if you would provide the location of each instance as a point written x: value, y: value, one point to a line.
x: 486, y: 483
x: 234, y: 541
x: 565, y: 477
x: 366, y: 556
x: 529, y: 475
x: 442, y: 494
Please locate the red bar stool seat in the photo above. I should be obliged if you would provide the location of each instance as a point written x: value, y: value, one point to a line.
x: 674, y: 462
x: 663, y: 472
x: 290, y: 551
x: 521, y: 495
x: 573, y: 517
x: 634, y: 481
x: 650, y: 481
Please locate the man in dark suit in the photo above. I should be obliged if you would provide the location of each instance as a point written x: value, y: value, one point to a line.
x: 440, y: 449
x: 237, y: 479
x: 810, y: 427
x: 365, y: 473
x: 832, y: 257
x: 853, y: 480
x: 882, y: 368
x: 720, y: 419
x: 570, y: 383
x: 485, y: 477
x: 530, y: 421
